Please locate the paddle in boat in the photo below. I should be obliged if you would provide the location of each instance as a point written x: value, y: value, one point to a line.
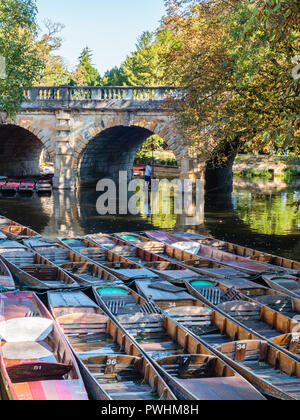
x: 36, y: 361
x: 112, y: 366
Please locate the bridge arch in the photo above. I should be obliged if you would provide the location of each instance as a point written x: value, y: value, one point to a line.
x: 108, y: 148
x: 21, y: 149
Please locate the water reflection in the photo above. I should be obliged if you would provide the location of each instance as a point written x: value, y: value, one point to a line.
x: 257, y: 217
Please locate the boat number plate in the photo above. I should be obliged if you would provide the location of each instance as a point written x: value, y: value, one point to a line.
x: 240, y: 347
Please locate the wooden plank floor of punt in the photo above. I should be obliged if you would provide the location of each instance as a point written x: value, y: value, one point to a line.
x: 215, y: 255
x: 200, y: 266
x: 243, y: 251
x: 80, y: 268
x: 218, y: 291
x: 163, y: 296
x: 160, y: 264
x: 35, y: 271
x: 121, y: 267
x: 113, y: 367
x: 191, y: 369
x: 232, y: 342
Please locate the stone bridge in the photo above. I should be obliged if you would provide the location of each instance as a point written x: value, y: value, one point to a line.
x: 91, y: 132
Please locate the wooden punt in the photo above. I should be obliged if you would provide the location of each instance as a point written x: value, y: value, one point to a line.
x: 16, y: 231
x: 35, y: 272
x: 43, y: 187
x: 11, y: 186
x: 118, y: 265
x: 240, y: 349
x: 81, y: 269
x: 27, y: 187
x: 154, y: 261
x: 7, y: 282
x: 112, y: 366
x: 199, y: 265
x: 286, y: 284
x: 268, y: 369
x: 215, y: 292
x: 263, y: 321
x: 191, y: 369
x: 165, y: 294
x: 245, y: 252
x: 36, y: 361
x: 215, y: 255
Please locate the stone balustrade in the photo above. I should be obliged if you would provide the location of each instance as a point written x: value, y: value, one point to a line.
x: 98, y: 96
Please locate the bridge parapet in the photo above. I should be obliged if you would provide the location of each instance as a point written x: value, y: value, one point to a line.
x: 99, y: 97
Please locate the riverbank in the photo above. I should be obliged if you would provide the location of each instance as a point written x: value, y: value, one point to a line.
x: 267, y: 167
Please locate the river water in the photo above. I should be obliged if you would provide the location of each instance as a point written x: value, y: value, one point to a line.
x: 257, y: 215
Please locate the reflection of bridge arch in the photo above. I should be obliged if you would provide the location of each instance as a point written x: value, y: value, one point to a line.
x: 111, y: 147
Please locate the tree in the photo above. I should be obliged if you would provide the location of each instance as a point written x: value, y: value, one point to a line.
x: 234, y: 57
x: 86, y: 74
x: 55, y: 71
x: 145, y: 66
x: 17, y: 45
x: 113, y: 77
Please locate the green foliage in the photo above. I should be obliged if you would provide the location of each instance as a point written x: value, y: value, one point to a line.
x: 17, y: 44
x: 86, y: 74
x: 235, y: 59
x: 113, y: 77
x: 146, y: 66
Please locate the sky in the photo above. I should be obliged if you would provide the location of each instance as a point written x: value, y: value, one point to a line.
x: 110, y: 28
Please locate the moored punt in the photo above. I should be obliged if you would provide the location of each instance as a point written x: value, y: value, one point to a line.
x: 191, y: 369
x: 218, y: 291
x: 271, y: 371
x: 36, y: 362
x: 43, y: 187
x: 245, y: 252
x: 120, y: 266
x: 194, y: 263
x: 156, y: 261
x: 33, y: 271
x: 112, y: 366
x: 76, y: 265
x: 215, y: 255
x: 7, y: 282
x: 27, y: 187
x: 16, y: 231
x: 241, y: 348
x: 263, y: 321
x: 165, y: 294
x: 11, y: 186
x: 286, y: 284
